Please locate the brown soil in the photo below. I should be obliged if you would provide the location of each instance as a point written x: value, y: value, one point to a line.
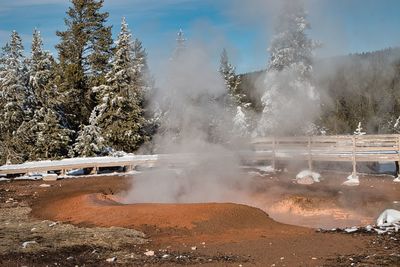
x: 224, y: 234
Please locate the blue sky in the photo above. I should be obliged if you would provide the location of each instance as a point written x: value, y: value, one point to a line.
x: 244, y: 27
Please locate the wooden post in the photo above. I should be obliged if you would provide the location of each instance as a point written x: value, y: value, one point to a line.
x: 398, y: 153
x: 354, y: 157
x: 129, y: 168
x: 309, y: 154
x: 273, y: 152
x: 95, y: 170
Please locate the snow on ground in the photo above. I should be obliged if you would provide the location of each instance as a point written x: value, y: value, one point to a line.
x: 264, y: 168
x: 388, y: 217
x: 397, y: 180
x: 352, y: 180
x: 101, y: 175
x: 75, y: 172
x: 308, y: 177
x: 77, y: 163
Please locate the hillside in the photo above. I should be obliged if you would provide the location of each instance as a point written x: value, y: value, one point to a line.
x: 358, y: 87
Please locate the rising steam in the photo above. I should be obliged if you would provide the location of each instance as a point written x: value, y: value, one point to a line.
x: 196, y: 124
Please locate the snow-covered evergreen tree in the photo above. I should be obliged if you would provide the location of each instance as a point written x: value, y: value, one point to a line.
x: 359, y: 130
x: 52, y: 138
x: 89, y: 142
x: 14, y: 94
x: 41, y: 65
x: 180, y: 45
x: 44, y: 128
x: 290, y: 99
x: 240, y: 124
x: 120, y: 114
x: 232, y: 81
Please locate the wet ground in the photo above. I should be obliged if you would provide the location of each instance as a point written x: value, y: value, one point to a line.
x: 203, y: 234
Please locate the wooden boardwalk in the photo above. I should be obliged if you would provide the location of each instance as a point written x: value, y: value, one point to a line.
x: 340, y: 148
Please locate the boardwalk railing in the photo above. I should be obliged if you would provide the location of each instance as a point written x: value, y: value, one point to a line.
x: 351, y: 148
x: 365, y: 148
x: 70, y: 164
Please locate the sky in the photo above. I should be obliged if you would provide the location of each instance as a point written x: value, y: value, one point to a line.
x: 243, y: 27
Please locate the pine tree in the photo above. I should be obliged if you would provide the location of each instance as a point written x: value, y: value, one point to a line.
x: 120, y: 114
x: 41, y: 73
x: 359, y: 130
x: 290, y: 100
x: 52, y: 139
x: 232, y: 81
x: 240, y: 124
x: 44, y: 127
x: 14, y: 95
x: 168, y: 123
x: 84, y: 54
x: 89, y: 142
x: 180, y: 45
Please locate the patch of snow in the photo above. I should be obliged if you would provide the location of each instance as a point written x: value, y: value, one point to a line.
x: 379, y: 231
x: 71, y: 162
x: 50, y: 177
x: 388, y: 217
x: 352, y: 180
x: 36, y: 175
x: 75, y: 172
x: 308, y: 177
x: 149, y: 253
x: 351, y: 229
x: 113, y: 259
x: 251, y: 173
x: 4, y: 179
x: 27, y: 243
x: 44, y: 185
x: 369, y: 228
x: 265, y: 168
x: 27, y: 177
x: 397, y: 180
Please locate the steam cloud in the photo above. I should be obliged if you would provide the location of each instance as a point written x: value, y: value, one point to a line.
x: 198, y: 127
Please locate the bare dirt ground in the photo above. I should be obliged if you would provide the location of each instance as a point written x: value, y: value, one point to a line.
x: 79, y: 222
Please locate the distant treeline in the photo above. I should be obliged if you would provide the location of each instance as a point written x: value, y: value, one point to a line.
x: 354, y: 88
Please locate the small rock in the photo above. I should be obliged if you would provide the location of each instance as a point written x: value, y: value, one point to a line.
x: 52, y: 224
x: 70, y: 258
x: 149, y: 253
x: 113, y: 259
x: 44, y: 185
x: 313, y: 258
x: 33, y: 229
x: 165, y: 256
x: 282, y: 258
x: 194, y: 248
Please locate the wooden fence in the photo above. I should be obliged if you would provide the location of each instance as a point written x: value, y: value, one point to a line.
x: 365, y: 148
x: 340, y: 148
